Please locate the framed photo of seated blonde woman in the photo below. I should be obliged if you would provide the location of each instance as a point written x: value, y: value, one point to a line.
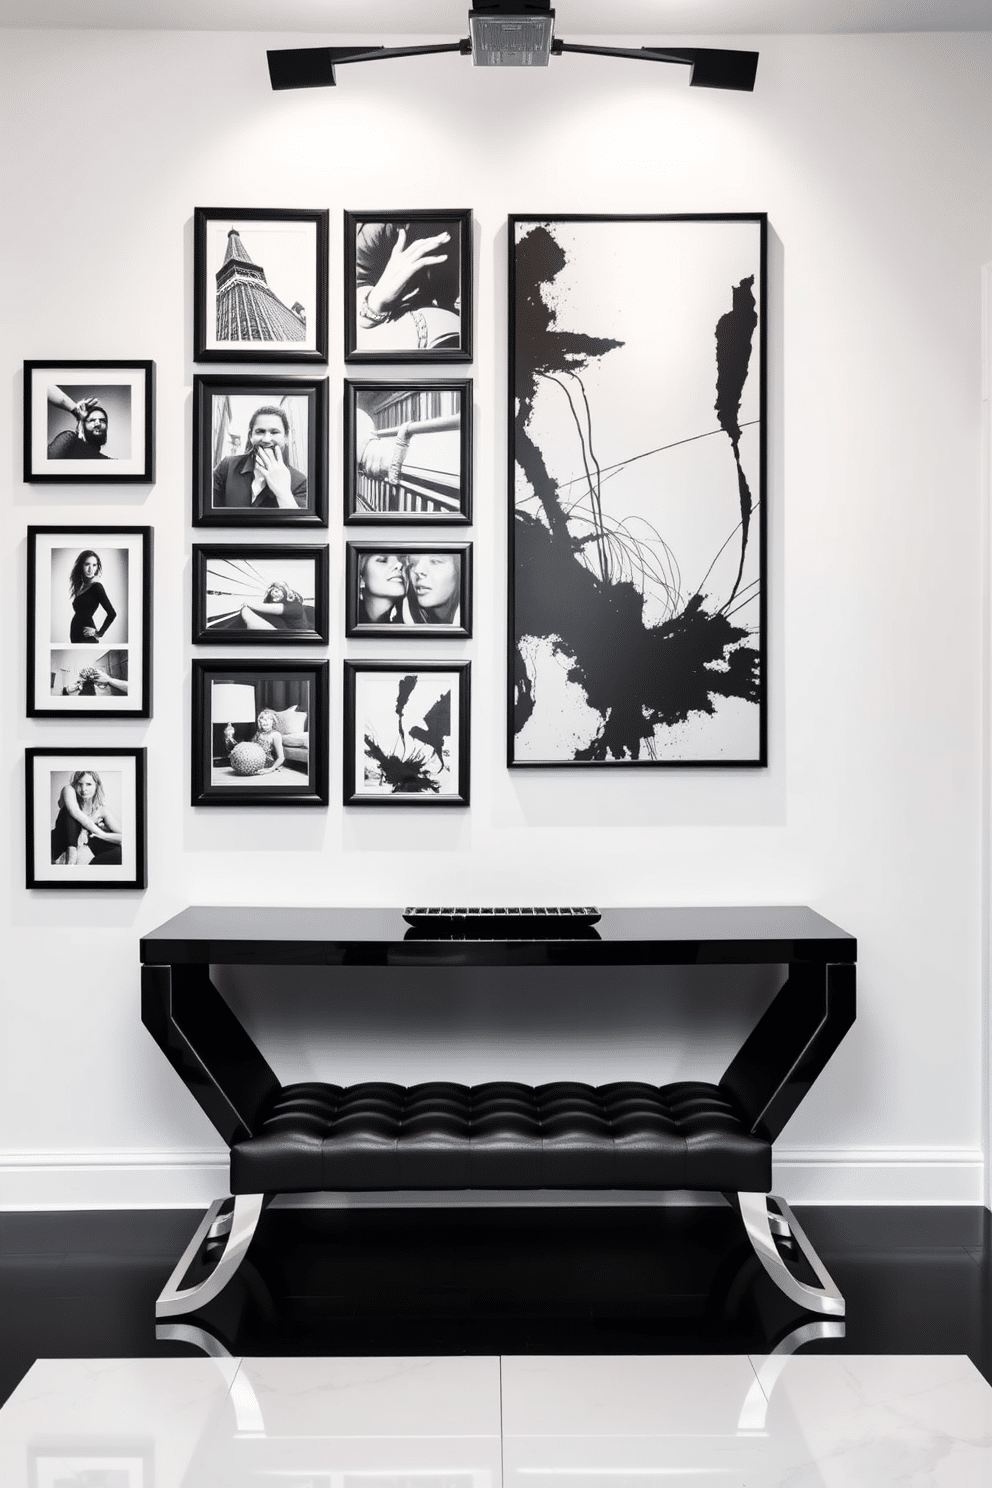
x: 247, y: 594
x: 85, y: 818
x: 408, y: 590
x: 89, y: 609
x: 260, y: 733
x: 259, y: 451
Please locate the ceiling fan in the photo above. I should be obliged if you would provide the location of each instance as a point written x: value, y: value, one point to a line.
x: 512, y: 33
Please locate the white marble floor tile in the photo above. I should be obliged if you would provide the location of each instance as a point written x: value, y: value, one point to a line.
x: 127, y: 1422
x: 624, y: 1395
x: 879, y: 1421
x: 407, y: 1397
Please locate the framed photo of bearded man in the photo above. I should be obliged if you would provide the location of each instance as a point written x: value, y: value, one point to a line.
x: 89, y: 422
x: 259, y: 451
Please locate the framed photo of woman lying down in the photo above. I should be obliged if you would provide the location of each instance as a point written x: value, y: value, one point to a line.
x: 406, y: 733
x: 85, y: 818
x: 88, y: 422
x: 89, y: 643
x: 260, y: 733
x: 408, y: 590
x: 259, y: 451
x: 260, y: 596
x: 408, y: 286
x: 408, y: 452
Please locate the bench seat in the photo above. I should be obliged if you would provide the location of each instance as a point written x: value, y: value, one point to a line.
x: 440, y: 1135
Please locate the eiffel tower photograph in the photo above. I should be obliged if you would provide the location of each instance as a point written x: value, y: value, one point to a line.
x: 261, y: 285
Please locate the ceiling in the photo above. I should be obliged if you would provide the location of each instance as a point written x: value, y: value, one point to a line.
x: 447, y: 18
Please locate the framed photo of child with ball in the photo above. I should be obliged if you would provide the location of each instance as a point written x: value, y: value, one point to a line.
x: 260, y: 733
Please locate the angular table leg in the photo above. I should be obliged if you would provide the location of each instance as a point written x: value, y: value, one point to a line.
x: 174, y: 1300
x: 761, y: 1226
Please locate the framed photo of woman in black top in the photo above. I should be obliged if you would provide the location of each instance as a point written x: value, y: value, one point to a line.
x: 259, y: 451
x: 89, y: 641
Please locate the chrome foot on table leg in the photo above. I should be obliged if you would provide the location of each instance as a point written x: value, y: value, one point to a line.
x: 176, y: 1301
x: 762, y: 1225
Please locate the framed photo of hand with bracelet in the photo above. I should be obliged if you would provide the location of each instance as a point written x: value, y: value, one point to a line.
x: 408, y: 286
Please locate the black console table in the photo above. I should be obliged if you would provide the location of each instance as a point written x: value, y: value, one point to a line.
x: 314, y: 1137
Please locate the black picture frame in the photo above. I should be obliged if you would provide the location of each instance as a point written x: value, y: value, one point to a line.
x: 421, y: 473
x: 223, y: 411
x: 52, y: 835
x: 296, y: 243
x: 55, y: 451
x: 411, y: 615
x: 71, y: 674
x: 222, y: 720
x: 230, y: 577
x: 433, y: 321
x: 412, y: 750
x: 641, y: 579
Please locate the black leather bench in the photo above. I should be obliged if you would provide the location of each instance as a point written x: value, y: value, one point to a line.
x: 441, y: 1137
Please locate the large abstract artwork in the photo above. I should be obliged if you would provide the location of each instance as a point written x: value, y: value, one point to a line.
x: 637, y: 481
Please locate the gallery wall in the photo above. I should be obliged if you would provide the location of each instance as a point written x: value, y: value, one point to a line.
x: 870, y: 155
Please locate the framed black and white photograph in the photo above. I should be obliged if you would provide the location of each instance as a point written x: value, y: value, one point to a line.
x: 255, y: 595
x: 85, y: 818
x: 259, y: 451
x: 259, y: 285
x: 406, y: 733
x: 637, y: 480
x: 408, y: 452
x: 408, y: 590
x: 260, y: 733
x: 89, y: 622
x: 90, y: 1462
x: 408, y: 286
x: 87, y: 422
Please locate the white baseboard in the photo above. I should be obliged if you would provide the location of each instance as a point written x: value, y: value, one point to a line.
x: 881, y: 1175
x: 192, y: 1179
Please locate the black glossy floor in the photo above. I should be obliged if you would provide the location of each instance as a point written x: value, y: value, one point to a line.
x: 513, y: 1281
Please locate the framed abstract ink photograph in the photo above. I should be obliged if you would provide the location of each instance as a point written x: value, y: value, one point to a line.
x: 637, y: 483
x: 406, y: 733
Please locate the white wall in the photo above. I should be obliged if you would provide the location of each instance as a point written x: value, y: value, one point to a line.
x: 871, y: 156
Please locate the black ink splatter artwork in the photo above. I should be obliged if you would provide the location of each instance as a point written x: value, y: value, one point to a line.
x: 408, y: 768
x: 620, y: 654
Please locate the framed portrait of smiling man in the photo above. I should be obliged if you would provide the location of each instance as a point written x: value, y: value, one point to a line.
x: 409, y: 590
x: 87, y: 422
x: 259, y: 451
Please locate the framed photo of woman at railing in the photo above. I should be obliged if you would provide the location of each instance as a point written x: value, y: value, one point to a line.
x: 408, y: 453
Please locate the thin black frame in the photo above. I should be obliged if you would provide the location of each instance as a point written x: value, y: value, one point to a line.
x: 354, y: 518
x: 201, y: 754
x: 350, y: 795
x: 140, y: 757
x: 144, y: 705
x: 392, y: 632
x: 147, y: 475
x: 257, y: 351
x: 760, y: 219
x: 462, y: 216
x: 317, y: 553
x: 314, y: 514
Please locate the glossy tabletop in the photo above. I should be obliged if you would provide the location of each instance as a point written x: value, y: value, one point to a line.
x: 688, y: 936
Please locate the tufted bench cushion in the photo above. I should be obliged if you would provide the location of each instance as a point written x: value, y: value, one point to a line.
x: 314, y: 1137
